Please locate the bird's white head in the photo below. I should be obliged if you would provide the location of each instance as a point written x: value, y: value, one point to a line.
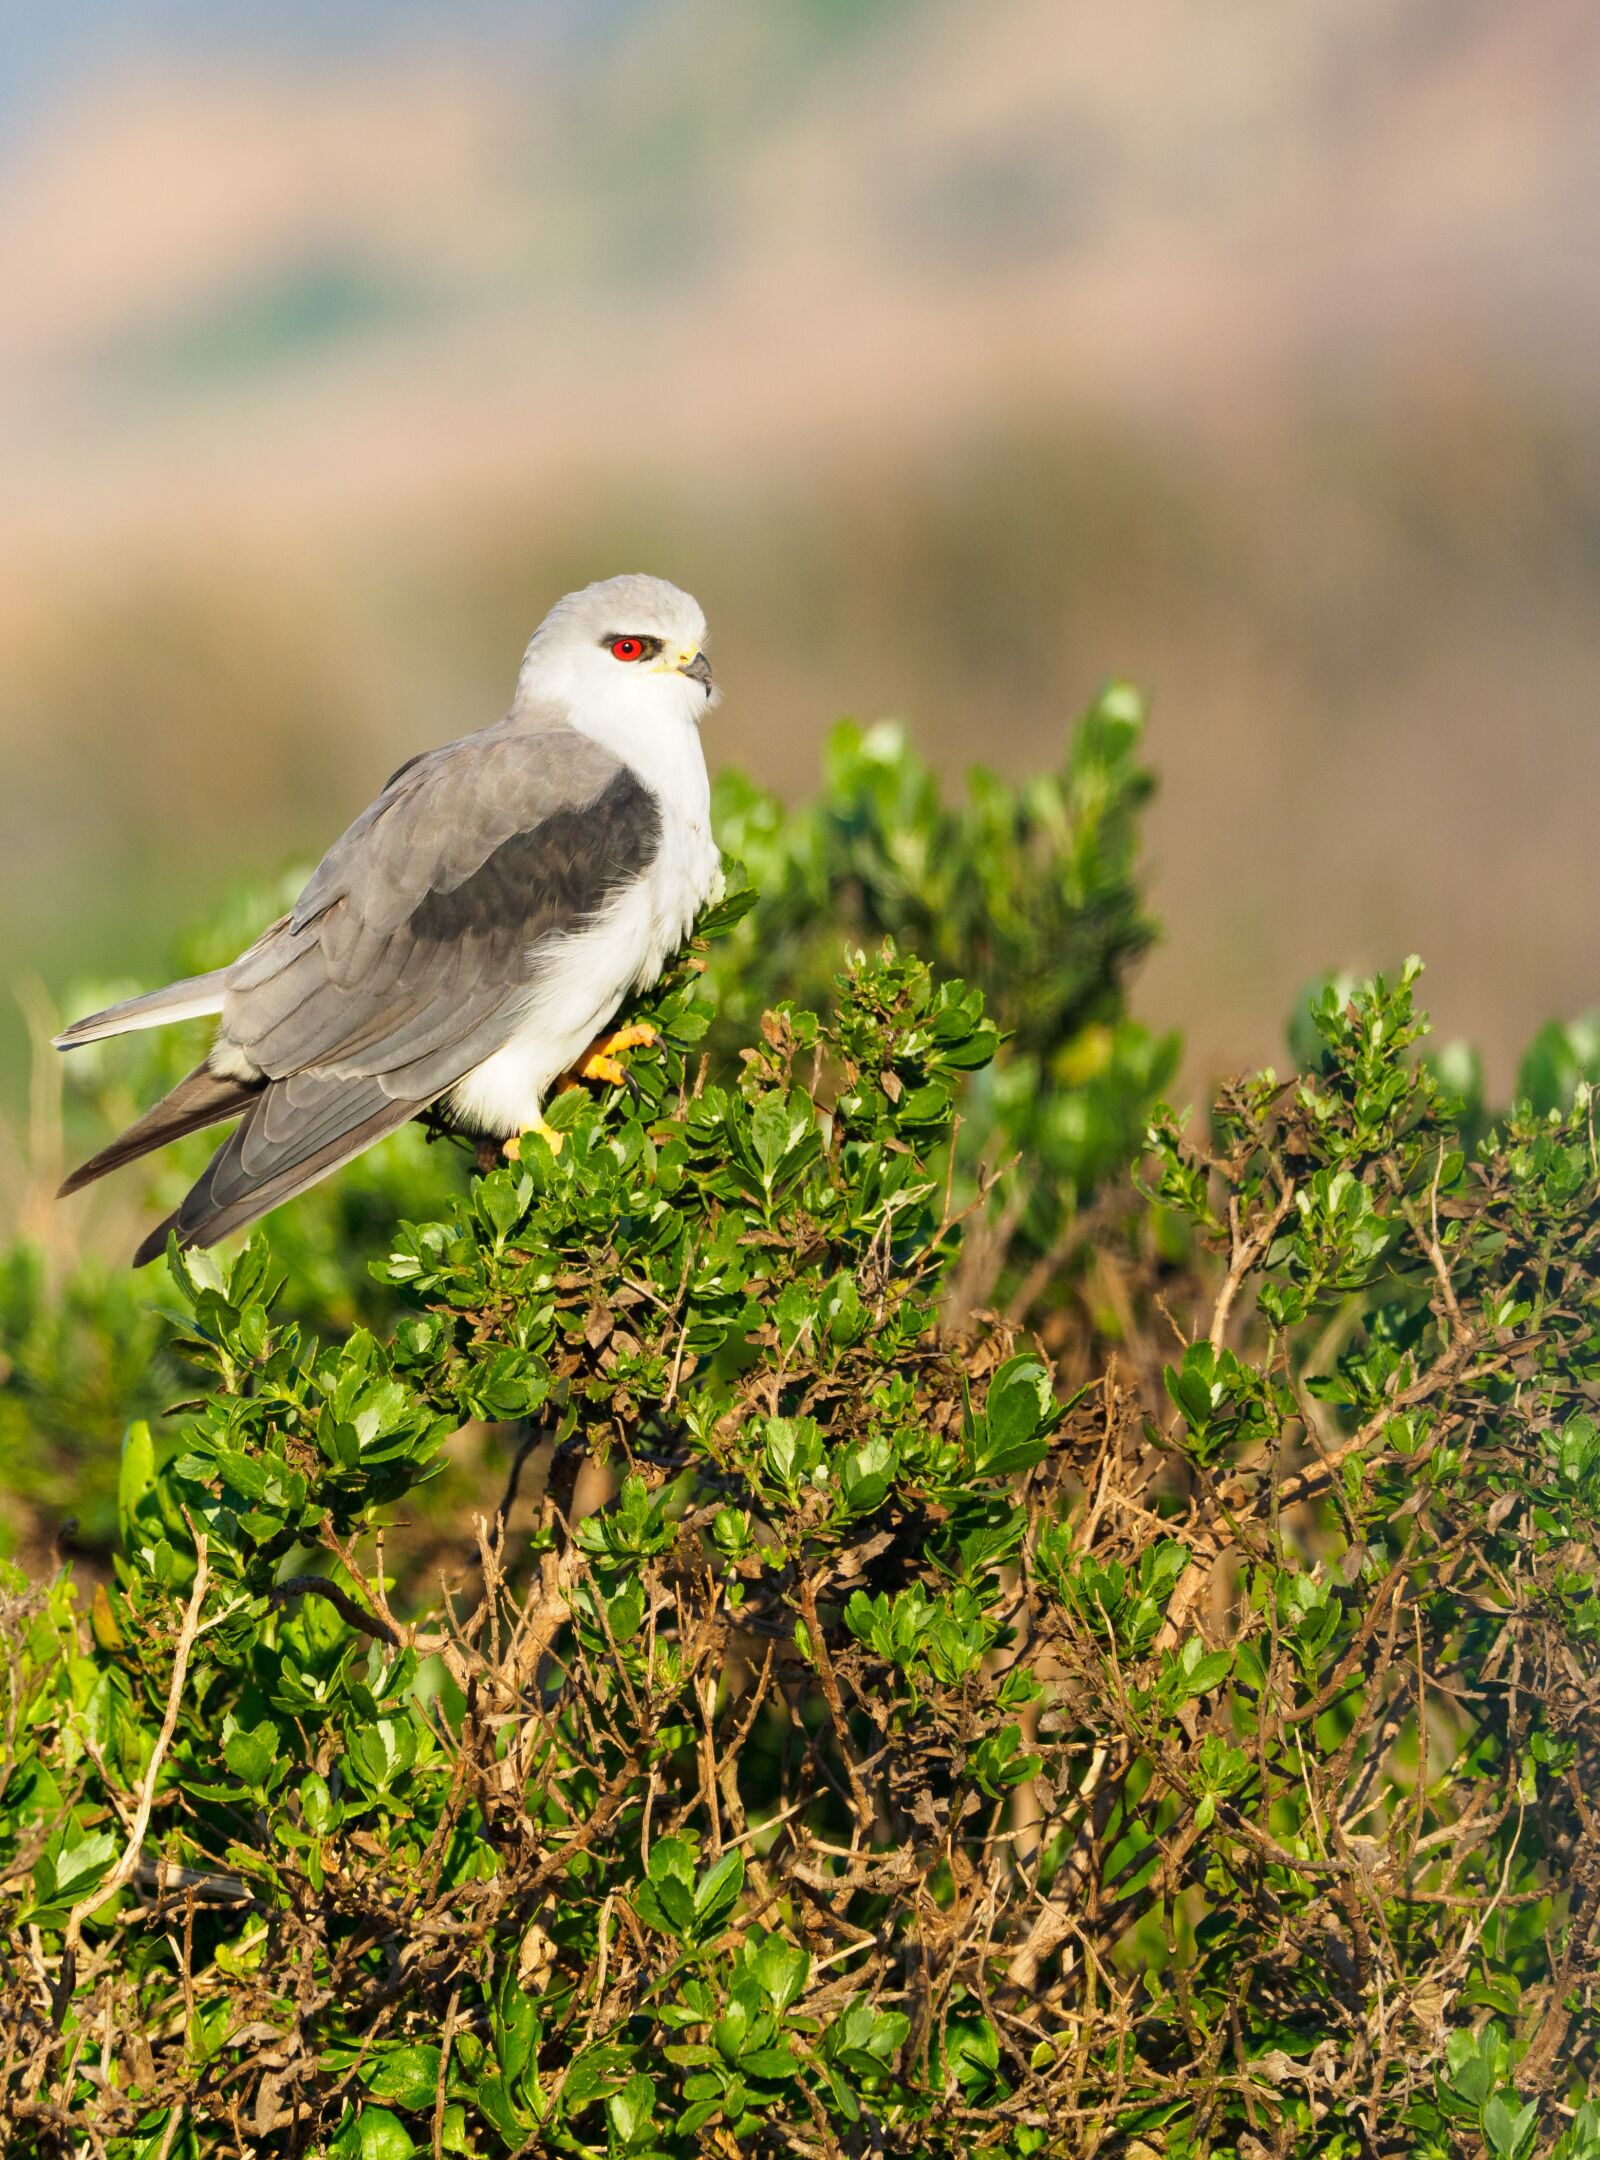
x: 629, y: 648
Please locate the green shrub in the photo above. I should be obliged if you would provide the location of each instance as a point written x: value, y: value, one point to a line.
x: 963, y: 1652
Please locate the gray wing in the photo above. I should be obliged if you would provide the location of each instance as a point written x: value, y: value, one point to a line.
x: 409, y: 957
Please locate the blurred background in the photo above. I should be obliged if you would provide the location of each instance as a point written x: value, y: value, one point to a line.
x: 956, y: 357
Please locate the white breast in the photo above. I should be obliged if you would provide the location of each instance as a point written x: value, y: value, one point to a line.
x: 583, y: 978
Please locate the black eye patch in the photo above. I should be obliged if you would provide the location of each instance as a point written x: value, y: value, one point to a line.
x: 640, y: 647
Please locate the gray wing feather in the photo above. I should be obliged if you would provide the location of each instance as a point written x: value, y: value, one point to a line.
x: 444, y: 812
x: 415, y: 944
x: 202, y: 1098
x: 186, y: 1000
x: 249, y: 1175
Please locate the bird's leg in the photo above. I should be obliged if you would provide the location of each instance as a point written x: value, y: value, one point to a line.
x: 601, y: 1062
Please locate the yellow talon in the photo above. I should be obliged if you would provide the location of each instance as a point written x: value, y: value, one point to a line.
x: 598, y: 1066
x: 512, y: 1149
x: 602, y: 1062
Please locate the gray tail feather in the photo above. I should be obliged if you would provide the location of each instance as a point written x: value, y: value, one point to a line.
x: 204, y: 1098
x: 202, y: 1221
x: 186, y: 1000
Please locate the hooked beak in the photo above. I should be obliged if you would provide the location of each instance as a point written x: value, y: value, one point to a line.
x: 699, y: 670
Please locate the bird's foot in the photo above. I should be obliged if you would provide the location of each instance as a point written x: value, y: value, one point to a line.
x: 490, y: 1154
x: 602, y: 1062
x: 512, y: 1149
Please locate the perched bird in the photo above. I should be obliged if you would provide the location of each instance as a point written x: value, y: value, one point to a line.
x: 467, y: 941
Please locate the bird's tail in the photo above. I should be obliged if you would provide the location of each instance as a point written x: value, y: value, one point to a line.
x: 186, y: 1000
x: 204, y: 1098
x: 295, y: 1131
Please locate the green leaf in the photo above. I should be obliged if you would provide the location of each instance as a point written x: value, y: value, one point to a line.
x: 1019, y: 1401
x: 72, y: 1873
x: 252, y: 1755
x: 494, y: 2098
x: 630, y: 2113
x: 1510, y: 2128
x: 1200, y: 1670
x: 378, y: 2135
x: 409, y: 2076
x: 781, y: 1970
x: 718, y: 1891
x: 135, y: 1477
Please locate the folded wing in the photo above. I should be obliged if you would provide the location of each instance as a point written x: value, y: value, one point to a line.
x: 411, y: 955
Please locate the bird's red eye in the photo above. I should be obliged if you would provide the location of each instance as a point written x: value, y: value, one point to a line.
x: 627, y: 648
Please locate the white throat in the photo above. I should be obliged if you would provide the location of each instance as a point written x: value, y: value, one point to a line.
x: 650, y: 722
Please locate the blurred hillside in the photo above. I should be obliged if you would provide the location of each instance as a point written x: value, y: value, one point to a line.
x: 955, y: 357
